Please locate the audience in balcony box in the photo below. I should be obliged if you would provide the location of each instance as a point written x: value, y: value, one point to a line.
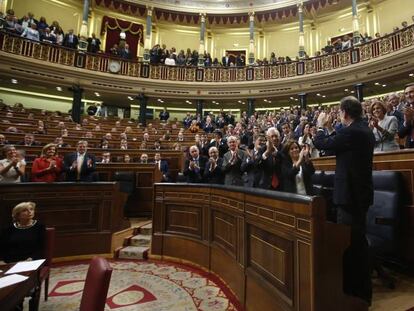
x: 24, y: 22
x: 42, y: 25
x: 48, y: 167
x: 94, y: 44
x: 47, y: 36
x: 12, y: 168
x: 31, y: 33
x: 70, y: 40
x: 125, y: 52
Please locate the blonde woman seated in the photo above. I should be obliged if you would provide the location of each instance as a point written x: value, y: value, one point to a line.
x: 12, y: 168
x: 48, y: 167
x: 24, y: 239
x: 384, y: 127
x: 297, y: 169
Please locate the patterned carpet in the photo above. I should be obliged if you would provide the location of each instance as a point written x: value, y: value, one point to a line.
x: 144, y: 286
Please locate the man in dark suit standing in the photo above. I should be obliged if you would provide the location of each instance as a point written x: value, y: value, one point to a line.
x: 407, y: 128
x: 212, y: 171
x: 353, y: 190
x: 94, y: 44
x: 250, y: 166
x: 163, y: 167
x: 164, y: 115
x: 70, y: 40
x: 232, y: 162
x: 225, y: 61
x: 270, y: 160
x: 194, y: 166
x: 80, y: 165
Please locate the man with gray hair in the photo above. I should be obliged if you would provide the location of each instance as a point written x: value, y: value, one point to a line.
x: 269, y: 161
x: 194, y: 166
x: 80, y: 165
x: 232, y: 162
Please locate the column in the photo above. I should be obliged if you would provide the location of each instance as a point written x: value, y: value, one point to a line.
x: 250, y: 107
x: 355, y: 23
x: 76, y: 103
x: 301, y: 32
x: 359, y: 91
x: 143, y: 100
x: 202, y: 47
x: 200, y: 104
x: 303, y: 100
x: 83, y: 44
x: 148, y: 31
x: 251, y: 42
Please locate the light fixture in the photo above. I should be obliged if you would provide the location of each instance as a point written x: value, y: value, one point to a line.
x: 318, y: 94
x: 352, y: 92
x: 14, y: 81
x: 239, y: 101
x: 323, y: 96
x: 213, y: 101
x: 130, y: 98
x: 243, y: 103
x: 217, y: 103
x: 346, y: 90
x: 265, y: 100
x: 411, y: 75
x: 291, y: 97
x: 376, y: 83
x: 384, y: 85
x: 58, y: 88
x: 97, y: 94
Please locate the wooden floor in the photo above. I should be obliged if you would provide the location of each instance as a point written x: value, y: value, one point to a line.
x: 399, y: 299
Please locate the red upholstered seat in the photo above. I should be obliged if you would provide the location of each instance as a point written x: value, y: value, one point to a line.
x: 48, y: 255
x: 96, y: 285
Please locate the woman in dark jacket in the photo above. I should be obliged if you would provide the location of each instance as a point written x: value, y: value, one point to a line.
x: 297, y: 169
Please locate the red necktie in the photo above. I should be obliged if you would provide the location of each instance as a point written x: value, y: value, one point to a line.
x: 275, y: 180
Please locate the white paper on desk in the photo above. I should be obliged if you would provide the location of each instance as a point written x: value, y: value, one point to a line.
x: 12, y: 279
x: 24, y: 266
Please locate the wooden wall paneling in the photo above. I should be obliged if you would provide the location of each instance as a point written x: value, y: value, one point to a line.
x: 158, y: 219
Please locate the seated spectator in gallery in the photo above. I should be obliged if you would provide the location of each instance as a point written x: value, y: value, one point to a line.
x: 48, y: 167
x: 80, y: 165
x: 212, y: 172
x: 40, y: 130
x: 346, y: 43
x: 143, y: 158
x: 177, y: 147
x: 170, y: 61
x: 194, y: 166
x: 42, y: 24
x: 106, y: 158
x: 24, y: 239
x: 12, y: 168
x: 383, y: 127
x: 194, y: 128
x: 208, y: 125
x: 146, y: 137
x: 180, y: 136
x: 70, y: 40
x: 3, y: 140
x: 65, y: 133
x: 60, y: 143
x: 164, y: 115
x: 88, y: 135
x: 94, y: 44
x: 163, y: 167
x: 124, y: 144
x: 24, y: 22
x: 31, y: 33
x: 143, y: 146
x: 127, y: 158
x: 297, y: 169
x: 157, y: 145
x: 47, y: 36
x: 29, y: 140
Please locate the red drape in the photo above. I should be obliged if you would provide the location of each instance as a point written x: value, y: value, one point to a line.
x: 113, y: 27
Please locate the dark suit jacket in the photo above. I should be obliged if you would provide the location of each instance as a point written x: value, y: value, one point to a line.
x: 269, y: 166
x: 216, y: 176
x: 405, y: 131
x: 94, y: 48
x: 233, y: 172
x: 289, y: 176
x: 195, y: 176
x: 353, y: 146
x: 224, y: 62
x: 86, y: 173
x: 73, y: 45
x: 221, y: 146
x: 164, y: 116
x: 165, y: 170
x: 254, y: 173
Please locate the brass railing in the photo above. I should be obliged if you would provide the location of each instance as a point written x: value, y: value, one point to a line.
x: 100, y: 62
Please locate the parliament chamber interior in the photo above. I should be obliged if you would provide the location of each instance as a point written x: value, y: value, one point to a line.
x: 207, y: 155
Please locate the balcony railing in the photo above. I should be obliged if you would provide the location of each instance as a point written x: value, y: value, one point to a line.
x: 99, y: 62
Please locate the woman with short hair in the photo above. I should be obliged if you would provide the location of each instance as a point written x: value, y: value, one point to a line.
x: 384, y: 127
x: 48, y: 167
x: 24, y: 239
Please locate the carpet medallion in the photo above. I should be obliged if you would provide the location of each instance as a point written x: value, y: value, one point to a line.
x: 143, y: 285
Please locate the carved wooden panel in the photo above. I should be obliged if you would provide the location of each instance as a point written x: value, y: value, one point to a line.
x: 271, y: 256
x: 224, y: 232
x: 186, y: 220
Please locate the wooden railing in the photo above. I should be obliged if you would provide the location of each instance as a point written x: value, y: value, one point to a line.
x: 99, y: 62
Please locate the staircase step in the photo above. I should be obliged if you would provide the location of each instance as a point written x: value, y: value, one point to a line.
x: 134, y: 252
x: 147, y: 229
x: 140, y: 240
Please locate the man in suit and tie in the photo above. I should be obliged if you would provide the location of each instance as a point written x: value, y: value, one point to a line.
x: 212, y: 172
x: 94, y: 44
x: 232, y: 162
x: 225, y: 61
x: 250, y: 166
x: 194, y: 166
x: 80, y: 165
x: 163, y: 167
x: 353, y: 190
x: 219, y: 143
x: 270, y: 161
x: 70, y: 40
x: 407, y: 128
